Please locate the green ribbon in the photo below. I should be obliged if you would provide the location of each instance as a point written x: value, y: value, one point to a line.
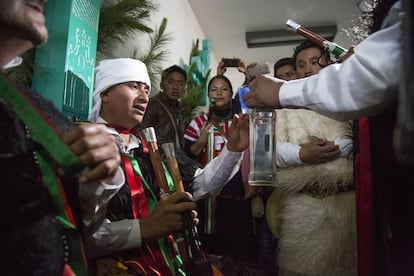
x: 39, y: 126
x: 50, y: 180
x: 55, y: 150
x: 152, y: 202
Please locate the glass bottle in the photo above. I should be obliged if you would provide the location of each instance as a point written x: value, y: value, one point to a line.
x: 262, y: 147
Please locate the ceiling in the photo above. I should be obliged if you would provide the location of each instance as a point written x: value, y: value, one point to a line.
x: 225, y: 22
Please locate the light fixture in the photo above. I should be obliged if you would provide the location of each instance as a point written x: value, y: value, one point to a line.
x: 280, y: 37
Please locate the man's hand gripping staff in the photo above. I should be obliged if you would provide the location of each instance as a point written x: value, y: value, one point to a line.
x: 187, y: 240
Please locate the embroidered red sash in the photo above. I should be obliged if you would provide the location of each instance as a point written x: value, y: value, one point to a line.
x: 363, y: 195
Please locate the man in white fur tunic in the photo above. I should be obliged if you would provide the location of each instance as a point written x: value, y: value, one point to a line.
x: 313, y: 207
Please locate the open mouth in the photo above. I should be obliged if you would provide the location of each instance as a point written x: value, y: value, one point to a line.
x: 140, y: 109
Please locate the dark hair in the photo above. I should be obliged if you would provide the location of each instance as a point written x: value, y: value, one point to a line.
x: 171, y: 69
x: 282, y: 62
x: 222, y: 78
x: 380, y: 12
x: 234, y: 105
x: 306, y: 45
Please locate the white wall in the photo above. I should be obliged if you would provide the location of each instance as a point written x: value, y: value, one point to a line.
x: 184, y: 29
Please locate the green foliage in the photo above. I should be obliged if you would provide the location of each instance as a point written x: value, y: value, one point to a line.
x: 156, y: 54
x: 193, y: 95
x: 120, y: 19
x: 195, y: 50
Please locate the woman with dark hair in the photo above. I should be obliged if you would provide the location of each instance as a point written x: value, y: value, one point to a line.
x: 204, y: 139
x: 220, y: 94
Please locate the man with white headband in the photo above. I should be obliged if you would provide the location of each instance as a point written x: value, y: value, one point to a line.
x: 120, y: 99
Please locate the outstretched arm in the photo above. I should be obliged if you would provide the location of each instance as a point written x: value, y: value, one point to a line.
x: 362, y: 86
x: 211, y: 179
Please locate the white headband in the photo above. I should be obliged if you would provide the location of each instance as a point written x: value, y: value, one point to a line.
x: 111, y: 72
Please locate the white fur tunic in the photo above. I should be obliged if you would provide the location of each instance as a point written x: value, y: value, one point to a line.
x: 316, y: 217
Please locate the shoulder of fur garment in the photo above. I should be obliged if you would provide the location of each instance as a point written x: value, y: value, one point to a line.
x: 318, y: 236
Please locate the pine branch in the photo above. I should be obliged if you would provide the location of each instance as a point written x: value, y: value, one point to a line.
x: 121, y: 19
x: 157, y: 53
x: 193, y: 95
x: 195, y: 51
x: 158, y: 41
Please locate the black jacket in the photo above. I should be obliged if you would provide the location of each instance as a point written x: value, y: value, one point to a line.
x: 164, y: 115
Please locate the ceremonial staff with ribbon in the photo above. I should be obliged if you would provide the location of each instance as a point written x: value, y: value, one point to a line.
x: 193, y: 256
x: 211, y: 201
x: 194, y: 261
x: 337, y: 51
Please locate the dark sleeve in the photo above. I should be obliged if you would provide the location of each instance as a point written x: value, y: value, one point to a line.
x: 187, y: 149
x: 60, y: 122
x: 187, y: 168
x: 151, y: 115
x: 236, y: 104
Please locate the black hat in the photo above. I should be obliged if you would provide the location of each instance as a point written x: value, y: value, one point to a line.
x: 171, y: 69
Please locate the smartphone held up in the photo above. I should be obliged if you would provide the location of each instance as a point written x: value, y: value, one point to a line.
x: 231, y: 62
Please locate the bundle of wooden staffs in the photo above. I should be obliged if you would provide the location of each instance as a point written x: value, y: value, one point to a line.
x: 194, y: 261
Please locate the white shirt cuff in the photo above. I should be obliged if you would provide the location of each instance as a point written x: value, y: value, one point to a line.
x: 211, y: 179
x: 287, y: 154
x: 290, y: 93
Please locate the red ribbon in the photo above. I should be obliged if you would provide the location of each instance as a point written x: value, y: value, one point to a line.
x: 140, y: 210
x: 124, y: 130
x: 139, y: 201
x: 363, y: 199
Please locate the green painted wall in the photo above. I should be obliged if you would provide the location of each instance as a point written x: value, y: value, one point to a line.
x: 64, y: 66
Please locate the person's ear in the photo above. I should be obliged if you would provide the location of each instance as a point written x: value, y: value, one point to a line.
x: 104, y: 95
